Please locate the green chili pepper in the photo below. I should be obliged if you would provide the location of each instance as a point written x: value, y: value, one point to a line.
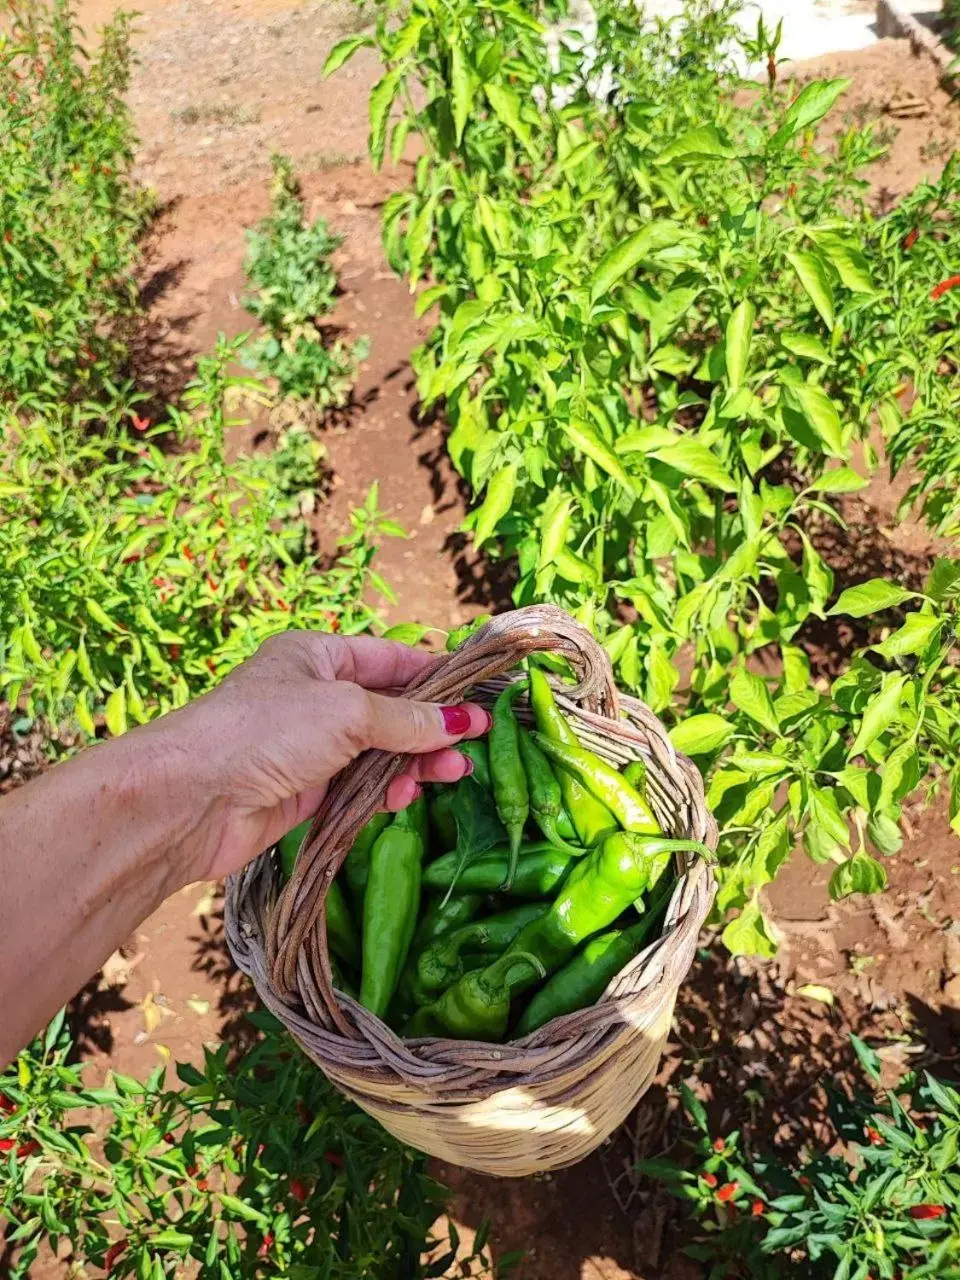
x: 636, y: 774
x: 606, y: 882
x: 356, y: 866
x: 441, y: 815
x: 540, y: 869
x: 546, y: 798
x: 442, y: 916
x: 478, y: 1006
x: 605, y: 783
x: 475, y: 749
x: 390, y: 905
x: 584, y: 978
x: 341, y: 931
x: 509, y: 779
x: 591, y: 819
x: 441, y: 964
x: 288, y: 847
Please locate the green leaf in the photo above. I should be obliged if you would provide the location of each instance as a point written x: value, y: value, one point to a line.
x: 407, y: 632
x: 749, y: 693
x: 884, y: 833
x: 496, y: 504
x: 478, y: 827
x: 869, y: 1060
x: 813, y: 276
x: 381, y: 100
x: 662, y: 678
x: 846, y: 259
x: 622, y: 258
x: 944, y: 580
x: 695, y: 459
x: 706, y: 142
x: 342, y: 52
x: 913, y: 637
x: 554, y: 527
x: 506, y: 105
x: 870, y: 597
x: 243, y: 1210
x: 818, y: 411
x: 170, y: 1239
x: 748, y: 934
x: 737, y: 339
x: 99, y: 614
x: 589, y: 442
x: 881, y: 712
x: 840, y: 480
x: 700, y: 735
x: 824, y: 814
x: 859, y: 874
x: 810, y: 105
x: 806, y: 345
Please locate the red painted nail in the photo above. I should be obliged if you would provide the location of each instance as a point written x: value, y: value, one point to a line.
x: 468, y: 767
x: 456, y: 720
x: 489, y: 720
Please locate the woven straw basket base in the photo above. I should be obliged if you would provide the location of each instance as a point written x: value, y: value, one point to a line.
x: 534, y: 1104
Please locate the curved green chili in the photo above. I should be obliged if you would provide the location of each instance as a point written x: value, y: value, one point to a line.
x: 590, y: 818
x: 605, y: 783
x: 506, y: 769
x: 390, y: 905
x: 546, y: 798
x: 356, y: 866
x: 478, y: 1006
x: 441, y: 917
x: 636, y: 774
x: 584, y: 978
x: 475, y: 749
x: 442, y: 963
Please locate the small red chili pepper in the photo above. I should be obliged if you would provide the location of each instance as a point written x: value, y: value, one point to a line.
x: 7, y: 1104
x: 265, y: 1245
x: 192, y: 1170
x: 719, y: 1144
x: 924, y: 1211
x: 334, y: 1158
x: 805, y: 1182
x: 140, y: 424
x: 299, y: 1190
x: 282, y: 604
x: 187, y: 553
x: 168, y: 1137
x: 710, y: 1179
x: 910, y: 239
x: 757, y: 1208
x: 211, y: 584
x: 201, y: 1184
x: 243, y: 563
x: 8, y: 237
x: 174, y: 653
x: 27, y: 1149
x: 211, y: 666
x: 131, y: 559
x: 7, y: 1144
x: 944, y: 286
x: 113, y: 1253
x: 728, y: 1191
x: 791, y: 190
x: 874, y: 1135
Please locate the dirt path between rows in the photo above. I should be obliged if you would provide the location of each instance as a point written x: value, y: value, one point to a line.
x: 219, y: 87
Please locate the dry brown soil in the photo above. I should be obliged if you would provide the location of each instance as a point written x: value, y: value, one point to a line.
x: 219, y: 87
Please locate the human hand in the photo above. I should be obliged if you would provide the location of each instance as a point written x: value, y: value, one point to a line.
x: 269, y: 738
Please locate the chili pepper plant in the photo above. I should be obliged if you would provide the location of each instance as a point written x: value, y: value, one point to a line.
x: 248, y: 1168
x: 881, y: 1198
x: 667, y: 326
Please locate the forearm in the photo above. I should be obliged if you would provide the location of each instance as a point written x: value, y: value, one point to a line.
x: 87, y: 852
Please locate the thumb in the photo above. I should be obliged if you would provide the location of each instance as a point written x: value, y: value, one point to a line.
x: 403, y: 726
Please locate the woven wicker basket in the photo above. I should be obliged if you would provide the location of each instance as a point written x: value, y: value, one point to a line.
x: 534, y: 1104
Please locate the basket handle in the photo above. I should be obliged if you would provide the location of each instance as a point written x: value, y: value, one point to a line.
x: 357, y: 791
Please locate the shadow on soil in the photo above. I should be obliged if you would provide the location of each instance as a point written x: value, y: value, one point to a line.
x: 237, y: 997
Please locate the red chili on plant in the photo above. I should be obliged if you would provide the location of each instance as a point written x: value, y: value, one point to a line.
x: 299, y: 1190
x: 7, y: 1144
x: 728, y: 1191
x: 757, y: 1208
x: 925, y: 1211
x: 113, y: 1253
x: 719, y: 1144
x: 710, y: 1179
x: 334, y: 1158
x: 910, y: 239
x: 27, y: 1149
x: 140, y: 424
x: 874, y: 1136
x: 7, y: 1104
x: 265, y: 1245
x: 944, y: 286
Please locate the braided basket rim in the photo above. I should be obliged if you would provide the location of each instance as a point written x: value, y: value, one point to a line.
x: 276, y: 934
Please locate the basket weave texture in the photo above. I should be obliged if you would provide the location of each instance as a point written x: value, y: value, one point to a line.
x: 534, y: 1104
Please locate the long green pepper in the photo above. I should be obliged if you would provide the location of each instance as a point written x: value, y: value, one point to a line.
x: 510, y: 792
x: 356, y: 866
x: 590, y: 818
x: 391, y: 904
x: 540, y: 869
x: 546, y: 798
x: 478, y: 1006
x: 608, y: 785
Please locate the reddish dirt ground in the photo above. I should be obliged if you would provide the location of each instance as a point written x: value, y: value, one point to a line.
x: 218, y: 89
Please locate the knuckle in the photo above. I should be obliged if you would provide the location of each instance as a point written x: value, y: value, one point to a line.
x: 353, y: 708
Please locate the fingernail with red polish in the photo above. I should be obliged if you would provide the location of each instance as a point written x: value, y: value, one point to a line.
x: 468, y: 767
x: 489, y: 719
x: 456, y: 720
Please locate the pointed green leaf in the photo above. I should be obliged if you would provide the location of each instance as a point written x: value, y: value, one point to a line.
x: 819, y: 412
x: 813, y: 276
x: 496, y: 504
x: 749, y: 693
x: 623, y: 257
x: 342, y: 52
x: 748, y: 934
x: 880, y: 713
x: 806, y: 345
x: 693, y: 458
x: 846, y: 259
x: 700, y: 735
x: 913, y: 637
x: 870, y: 597
x: 859, y: 874
x: 840, y: 480
x: 738, y: 336
x: 589, y: 442
x: 506, y: 105
x: 115, y: 712
x: 464, y: 86
x: 381, y: 100
x: 706, y: 142
x: 810, y: 105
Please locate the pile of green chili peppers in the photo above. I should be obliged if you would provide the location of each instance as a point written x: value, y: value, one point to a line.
x: 483, y: 916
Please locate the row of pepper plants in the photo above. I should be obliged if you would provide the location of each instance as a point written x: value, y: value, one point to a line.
x: 669, y: 336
